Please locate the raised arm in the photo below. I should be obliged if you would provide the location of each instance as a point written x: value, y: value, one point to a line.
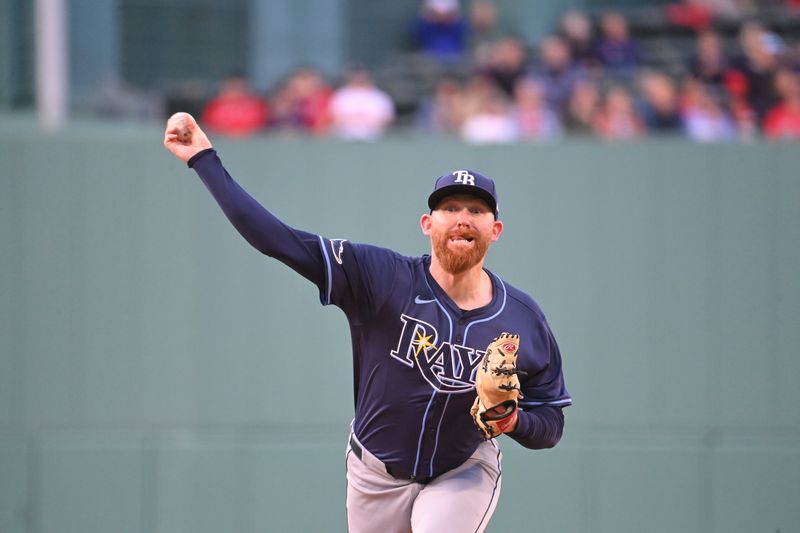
x: 298, y: 249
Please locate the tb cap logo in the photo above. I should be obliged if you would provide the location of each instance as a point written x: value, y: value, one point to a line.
x: 464, y: 177
x: 464, y: 181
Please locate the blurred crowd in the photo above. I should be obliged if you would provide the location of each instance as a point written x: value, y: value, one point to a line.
x: 590, y: 77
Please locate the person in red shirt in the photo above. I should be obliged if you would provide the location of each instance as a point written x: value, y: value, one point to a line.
x: 617, y: 118
x: 783, y: 120
x: 236, y: 111
x: 301, y: 103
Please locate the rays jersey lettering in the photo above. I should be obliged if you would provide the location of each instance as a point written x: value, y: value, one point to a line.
x: 448, y: 368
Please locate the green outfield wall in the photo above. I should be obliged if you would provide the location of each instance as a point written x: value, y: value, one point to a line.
x: 159, y: 375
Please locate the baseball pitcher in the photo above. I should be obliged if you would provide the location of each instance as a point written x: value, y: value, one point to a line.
x: 447, y: 356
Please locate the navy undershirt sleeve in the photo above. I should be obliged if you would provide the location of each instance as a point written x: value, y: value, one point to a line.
x: 540, y: 427
x: 298, y: 249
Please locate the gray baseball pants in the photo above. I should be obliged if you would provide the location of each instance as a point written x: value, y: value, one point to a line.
x: 459, y: 501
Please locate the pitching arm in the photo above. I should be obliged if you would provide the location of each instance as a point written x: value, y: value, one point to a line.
x: 298, y: 249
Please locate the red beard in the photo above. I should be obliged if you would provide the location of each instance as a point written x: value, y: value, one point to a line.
x: 457, y: 260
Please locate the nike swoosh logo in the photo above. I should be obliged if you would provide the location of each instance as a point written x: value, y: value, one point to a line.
x: 418, y: 300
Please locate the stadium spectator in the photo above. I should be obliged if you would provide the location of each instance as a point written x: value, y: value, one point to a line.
x: 443, y: 113
x: 534, y: 119
x: 302, y: 103
x: 660, y: 104
x: 508, y: 63
x: 359, y: 110
x: 580, y: 115
x: 743, y: 115
x: 616, y: 50
x: 617, y: 118
x: 484, y: 31
x: 557, y: 73
x: 236, y: 110
x: 575, y: 28
x: 709, y: 63
x: 757, y: 66
x: 783, y: 120
x: 440, y: 31
x: 478, y: 88
x: 704, y: 119
x: 491, y: 123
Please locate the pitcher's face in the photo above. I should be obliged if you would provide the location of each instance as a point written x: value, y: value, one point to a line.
x: 461, y: 228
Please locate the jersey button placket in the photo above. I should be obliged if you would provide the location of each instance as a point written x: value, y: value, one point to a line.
x: 430, y: 440
x: 459, y: 338
x: 460, y: 331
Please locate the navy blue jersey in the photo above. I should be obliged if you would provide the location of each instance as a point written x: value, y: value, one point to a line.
x: 414, y: 351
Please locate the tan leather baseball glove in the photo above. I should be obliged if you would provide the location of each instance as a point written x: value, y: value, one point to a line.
x: 497, y: 385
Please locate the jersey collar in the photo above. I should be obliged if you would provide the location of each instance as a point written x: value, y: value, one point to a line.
x: 440, y: 294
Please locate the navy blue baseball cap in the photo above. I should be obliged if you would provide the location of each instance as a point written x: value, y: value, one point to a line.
x: 464, y: 182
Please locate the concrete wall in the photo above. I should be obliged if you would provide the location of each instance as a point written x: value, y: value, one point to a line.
x: 140, y: 336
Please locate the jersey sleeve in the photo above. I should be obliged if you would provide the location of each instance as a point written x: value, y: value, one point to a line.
x: 358, y: 278
x: 298, y: 249
x: 355, y: 277
x: 545, y: 387
x: 541, y: 421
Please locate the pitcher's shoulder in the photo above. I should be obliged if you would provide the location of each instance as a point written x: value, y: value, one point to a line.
x: 522, y: 299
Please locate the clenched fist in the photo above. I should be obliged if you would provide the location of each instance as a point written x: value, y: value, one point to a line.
x: 183, y: 137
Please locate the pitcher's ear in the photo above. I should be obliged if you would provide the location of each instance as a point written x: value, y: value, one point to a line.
x: 425, y: 223
x: 497, y: 229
